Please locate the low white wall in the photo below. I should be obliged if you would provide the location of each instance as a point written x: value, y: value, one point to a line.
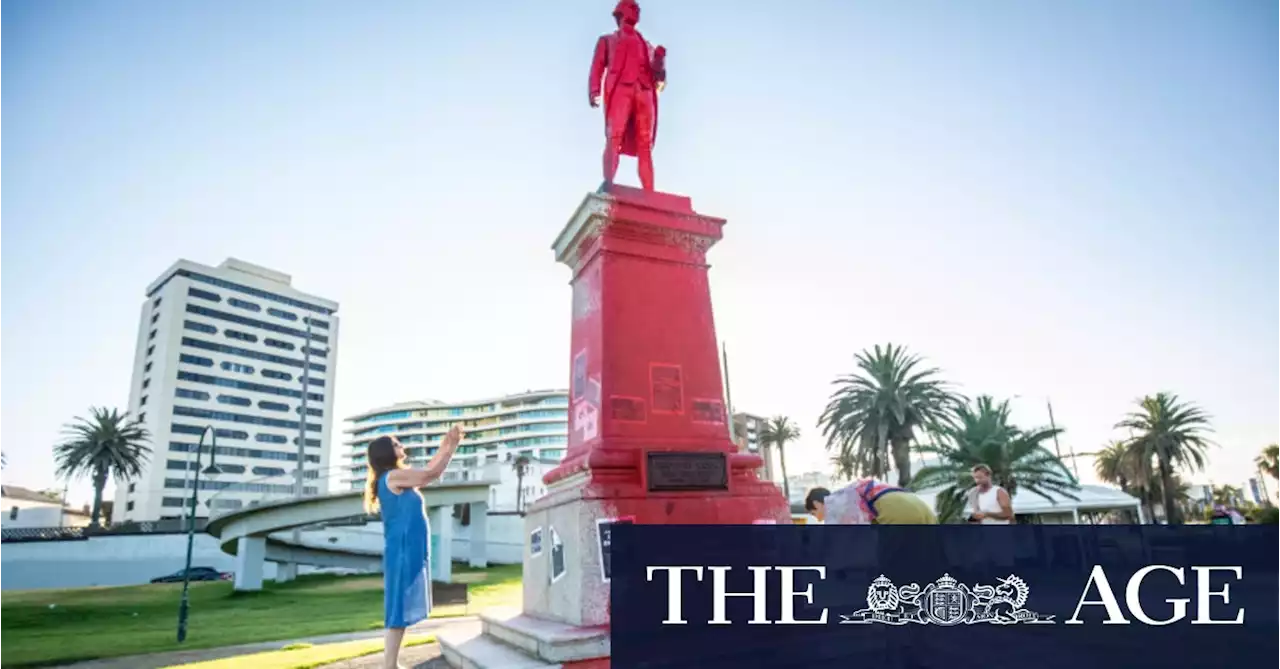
x: 505, y: 536
x: 136, y: 559
x: 109, y: 560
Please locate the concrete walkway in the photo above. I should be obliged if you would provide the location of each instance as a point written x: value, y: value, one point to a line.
x: 418, y: 657
x: 161, y: 660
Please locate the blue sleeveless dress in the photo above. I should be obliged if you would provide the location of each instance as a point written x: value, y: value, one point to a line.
x: 406, y: 580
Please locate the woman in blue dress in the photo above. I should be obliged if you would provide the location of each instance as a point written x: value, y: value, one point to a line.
x: 393, y: 490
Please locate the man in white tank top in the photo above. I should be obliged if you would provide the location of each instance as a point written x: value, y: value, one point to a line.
x: 989, y: 504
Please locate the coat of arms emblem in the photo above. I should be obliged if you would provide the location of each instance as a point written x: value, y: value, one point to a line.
x: 946, y: 602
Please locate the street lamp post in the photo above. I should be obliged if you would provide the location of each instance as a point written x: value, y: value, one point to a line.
x: 191, y: 526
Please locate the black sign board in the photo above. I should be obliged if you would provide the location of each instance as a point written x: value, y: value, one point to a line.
x: 676, y: 471
x: 604, y: 534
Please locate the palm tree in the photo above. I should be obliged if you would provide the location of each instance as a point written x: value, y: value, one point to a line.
x: 1121, y: 464
x: 874, y: 413
x: 1226, y: 494
x: 1269, y: 461
x: 777, y: 431
x: 1173, y: 433
x: 982, y: 434
x: 521, y: 466
x: 107, y: 445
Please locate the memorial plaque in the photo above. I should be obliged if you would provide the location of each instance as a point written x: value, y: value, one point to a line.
x: 674, y: 471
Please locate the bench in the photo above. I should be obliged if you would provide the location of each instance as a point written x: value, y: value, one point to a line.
x: 448, y: 594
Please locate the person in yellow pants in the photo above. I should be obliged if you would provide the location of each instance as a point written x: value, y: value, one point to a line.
x: 869, y: 502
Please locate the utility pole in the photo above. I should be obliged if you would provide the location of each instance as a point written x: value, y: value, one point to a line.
x: 1054, y: 426
x: 302, y: 412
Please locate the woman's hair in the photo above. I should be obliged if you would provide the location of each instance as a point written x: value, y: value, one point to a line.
x: 382, y: 459
x: 815, y: 496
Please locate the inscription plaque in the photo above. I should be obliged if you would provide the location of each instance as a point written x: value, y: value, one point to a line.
x: 671, y: 471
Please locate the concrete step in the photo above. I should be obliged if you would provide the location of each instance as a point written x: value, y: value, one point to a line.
x: 547, y: 640
x: 467, y: 647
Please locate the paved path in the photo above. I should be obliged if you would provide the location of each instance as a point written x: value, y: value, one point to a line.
x: 418, y: 657
x: 160, y: 660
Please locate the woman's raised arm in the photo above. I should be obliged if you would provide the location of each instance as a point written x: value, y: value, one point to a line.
x: 401, y: 479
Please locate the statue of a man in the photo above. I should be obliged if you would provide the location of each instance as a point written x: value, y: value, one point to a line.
x: 632, y: 74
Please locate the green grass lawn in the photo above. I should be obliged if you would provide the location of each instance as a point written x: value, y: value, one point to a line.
x: 55, y: 626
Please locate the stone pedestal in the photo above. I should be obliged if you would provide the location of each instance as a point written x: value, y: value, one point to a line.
x: 648, y: 432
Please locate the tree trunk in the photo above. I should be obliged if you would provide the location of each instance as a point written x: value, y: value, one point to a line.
x: 902, y: 461
x: 99, y: 483
x: 786, y: 485
x: 519, y: 491
x: 1172, y: 514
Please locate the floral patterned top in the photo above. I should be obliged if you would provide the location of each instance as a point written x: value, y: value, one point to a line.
x: 853, y: 504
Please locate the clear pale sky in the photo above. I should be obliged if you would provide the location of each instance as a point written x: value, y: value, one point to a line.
x: 1073, y: 200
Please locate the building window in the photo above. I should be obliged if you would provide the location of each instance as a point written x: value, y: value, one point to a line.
x: 244, y: 352
x: 146, y: 383
x: 156, y: 303
x: 237, y: 367
x: 152, y: 335
x: 151, y: 349
x: 237, y: 302
x: 318, y: 413
x: 204, y: 295
x: 276, y: 343
x: 272, y: 406
x: 142, y: 417
x: 273, y: 374
x: 199, y: 327
x: 253, y: 322
x: 190, y: 394
x: 242, y: 336
x: 13, y: 513
x: 128, y: 506
x: 232, y: 399
x: 280, y: 313
x: 182, y: 447
x: 206, y: 484
x: 323, y: 325
x: 271, y: 438
x: 310, y: 442
x: 197, y: 430
x: 246, y: 385
x: 133, y: 487
x: 155, y: 317
x: 195, y: 360
x: 147, y: 368
x: 319, y: 353
x: 268, y: 471
x: 241, y: 418
x: 313, y: 381
x: 143, y: 401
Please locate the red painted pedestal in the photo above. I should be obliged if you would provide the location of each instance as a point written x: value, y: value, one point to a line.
x: 648, y: 432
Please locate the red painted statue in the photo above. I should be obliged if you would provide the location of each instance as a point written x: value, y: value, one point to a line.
x: 627, y: 75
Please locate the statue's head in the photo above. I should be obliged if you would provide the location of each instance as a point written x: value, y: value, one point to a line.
x: 627, y: 12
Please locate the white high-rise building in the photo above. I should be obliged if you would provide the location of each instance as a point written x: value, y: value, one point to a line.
x: 225, y: 347
x: 533, y: 424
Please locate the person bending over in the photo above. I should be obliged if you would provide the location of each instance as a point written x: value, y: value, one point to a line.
x: 393, y: 490
x: 868, y: 502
